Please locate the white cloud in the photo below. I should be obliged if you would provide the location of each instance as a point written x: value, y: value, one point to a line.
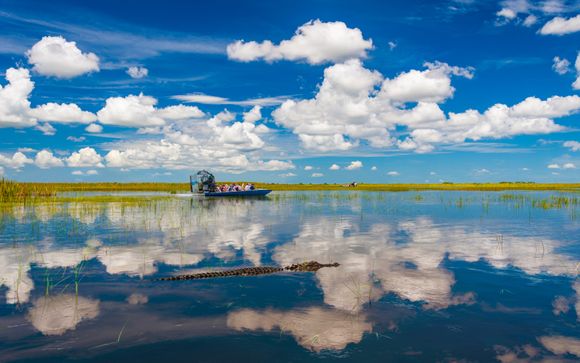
x: 530, y: 20
x: 432, y: 173
x: 576, y: 84
x: 569, y: 166
x: 14, y: 104
x: 62, y: 113
x: 573, y: 145
x: 334, y: 167
x: 354, y: 165
x: 76, y: 139
x: 392, y: 45
x: 561, y: 65
x: 216, y: 100
x: 15, y: 108
x: 46, y: 129
x: 393, y: 173
x: 287, y: 175
x: 507, y: 13
x: 317, y: 175
x: 430, y: 85
x: 130, y: 111
x: 180, y: 112
x: 374, y: 168
x: 315, y: 42
x: 16, y: 161
x: 253, y: 115
x: 140, y: 111
x: 273, y: 165
x: 220, y: 143
x: 94, y: 128
x: 482, y: 171
x: 85, y: 157
x: 561, y: 26
x: 355, y: 105
x: 137, y: 72
x: 553, y: 166
x: 54, y: 56
x: 88, y: 172
x: 45, y: 159
x: 308, y: 167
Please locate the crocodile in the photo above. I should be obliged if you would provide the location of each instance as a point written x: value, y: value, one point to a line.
x: 310, y: 266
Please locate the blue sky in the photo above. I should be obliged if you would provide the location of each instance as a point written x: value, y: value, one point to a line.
x: 401, y: 92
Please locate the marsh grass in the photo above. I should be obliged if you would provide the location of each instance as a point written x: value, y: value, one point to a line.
x: 11, y: 191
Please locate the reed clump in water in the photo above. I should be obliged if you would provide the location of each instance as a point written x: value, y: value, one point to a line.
x: 11, y: 191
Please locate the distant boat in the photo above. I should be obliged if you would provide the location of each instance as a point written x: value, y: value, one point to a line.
x: 204, y: 183
x: 243, y: 193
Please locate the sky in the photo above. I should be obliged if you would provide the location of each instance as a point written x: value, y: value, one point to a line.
x: 290, y: 92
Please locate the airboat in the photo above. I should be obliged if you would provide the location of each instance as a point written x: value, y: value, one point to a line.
x: 203, y: 182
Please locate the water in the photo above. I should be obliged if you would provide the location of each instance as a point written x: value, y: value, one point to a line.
x: 432, y: 276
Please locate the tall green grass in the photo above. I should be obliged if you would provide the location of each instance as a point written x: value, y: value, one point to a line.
x: 11, y: 191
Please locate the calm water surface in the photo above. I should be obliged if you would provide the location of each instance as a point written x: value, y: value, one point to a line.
x: 433, y: 276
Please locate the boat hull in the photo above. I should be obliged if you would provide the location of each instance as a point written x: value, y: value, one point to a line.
x: 245, y: 193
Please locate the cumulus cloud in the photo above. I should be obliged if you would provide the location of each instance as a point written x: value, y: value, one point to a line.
x: 219, y: 142
x: 15, y: 110
x: 506, y: 13
x: 561, y: 26
x: 576, y: 84
x: 530, y: 20
x: 62, y: 113
x: 85, y: 157
x: 354, y: 165
x: 393, y: 173
x: 140, y: 111
x: 308, y: 167
x: 45, y: 159
x: 130, y: 111
x: 561, y: 65
x: 94, y: 128
x: 253, y: 115
x: 137, y: 72
x: 180, y: 112
x: 334, y: 167
x: 17, y: 161
x: 14, y: 103
x: 354, y: 104
x: 430, y: 85
x: 55, y: 56
x: 315, y: 42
